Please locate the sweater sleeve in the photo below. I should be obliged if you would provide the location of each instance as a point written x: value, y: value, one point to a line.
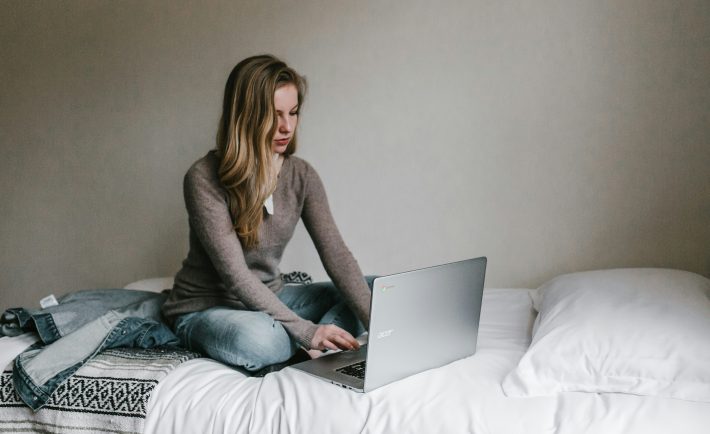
x: 338, y: 261
x: 210, y: 218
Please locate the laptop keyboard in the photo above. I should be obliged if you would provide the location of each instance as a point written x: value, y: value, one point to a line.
x: 356, y: 370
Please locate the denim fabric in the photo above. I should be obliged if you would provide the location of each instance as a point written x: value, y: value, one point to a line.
x: 251, y: 339
x: 73, y: 311
x: 38, y: 371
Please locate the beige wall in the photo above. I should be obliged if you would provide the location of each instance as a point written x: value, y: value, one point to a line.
x: 551, y: 136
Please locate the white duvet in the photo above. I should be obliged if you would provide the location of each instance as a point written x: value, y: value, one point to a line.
x: 202, y: 396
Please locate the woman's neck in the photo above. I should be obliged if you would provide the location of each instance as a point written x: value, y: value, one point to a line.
x: 278, y: 162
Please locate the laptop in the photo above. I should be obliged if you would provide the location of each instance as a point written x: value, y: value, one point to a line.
x: 419, y: 320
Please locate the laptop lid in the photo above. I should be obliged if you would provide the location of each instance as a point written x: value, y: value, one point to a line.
x: 423, y: 319
x: 419, y: 320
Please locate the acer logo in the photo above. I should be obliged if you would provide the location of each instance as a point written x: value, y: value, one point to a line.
x: 384, y: 334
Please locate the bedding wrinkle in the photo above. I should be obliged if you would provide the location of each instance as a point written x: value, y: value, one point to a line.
x: 226, y: 405
x: 256, y: 399
x: 202, y: 396
x: 601, y: 413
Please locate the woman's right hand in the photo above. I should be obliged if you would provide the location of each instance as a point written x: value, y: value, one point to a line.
x: 332, y: 337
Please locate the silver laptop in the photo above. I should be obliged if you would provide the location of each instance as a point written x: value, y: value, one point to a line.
x: 419, y: 320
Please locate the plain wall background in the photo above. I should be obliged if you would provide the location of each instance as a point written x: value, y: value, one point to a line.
x: 552, y: 136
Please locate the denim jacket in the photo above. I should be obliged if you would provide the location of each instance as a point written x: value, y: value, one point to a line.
x: 83, y: 324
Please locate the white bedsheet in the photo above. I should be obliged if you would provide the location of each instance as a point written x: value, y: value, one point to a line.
x: 202, y: 396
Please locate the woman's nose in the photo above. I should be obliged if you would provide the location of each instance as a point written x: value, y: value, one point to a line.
x: 284, y: 125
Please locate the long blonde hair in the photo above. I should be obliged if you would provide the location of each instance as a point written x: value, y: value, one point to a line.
x: 244, y: 139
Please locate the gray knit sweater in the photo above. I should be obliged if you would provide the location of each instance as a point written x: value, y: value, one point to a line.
x: 218, y: 271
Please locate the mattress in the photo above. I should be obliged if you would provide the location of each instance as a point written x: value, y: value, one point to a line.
x: 465, y: 396
x: 204, y: 396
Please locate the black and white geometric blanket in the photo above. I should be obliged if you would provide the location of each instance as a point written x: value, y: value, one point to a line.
x: 109, y: 394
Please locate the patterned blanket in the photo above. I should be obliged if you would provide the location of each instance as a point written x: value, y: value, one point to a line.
x: 109, y: 394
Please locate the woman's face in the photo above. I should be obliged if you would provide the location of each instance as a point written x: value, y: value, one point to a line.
x: 286, y: 104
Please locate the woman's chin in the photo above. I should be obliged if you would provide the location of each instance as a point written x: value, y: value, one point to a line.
x: 279, y: 149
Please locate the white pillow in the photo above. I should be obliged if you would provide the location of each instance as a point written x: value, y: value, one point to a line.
x: 155, y: 284
x: 641, y: 331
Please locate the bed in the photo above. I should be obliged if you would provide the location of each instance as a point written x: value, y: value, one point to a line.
x: 477, y: 394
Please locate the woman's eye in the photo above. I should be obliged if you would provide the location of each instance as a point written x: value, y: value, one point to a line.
x: 294, y: 113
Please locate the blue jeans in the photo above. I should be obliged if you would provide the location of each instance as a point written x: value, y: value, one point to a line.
x: 83, y: 324
x: 253, y: 340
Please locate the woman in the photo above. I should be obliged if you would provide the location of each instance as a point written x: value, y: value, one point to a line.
x: 243, y: 200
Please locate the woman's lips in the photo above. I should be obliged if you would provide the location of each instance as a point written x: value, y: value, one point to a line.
x: 282, y: 141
